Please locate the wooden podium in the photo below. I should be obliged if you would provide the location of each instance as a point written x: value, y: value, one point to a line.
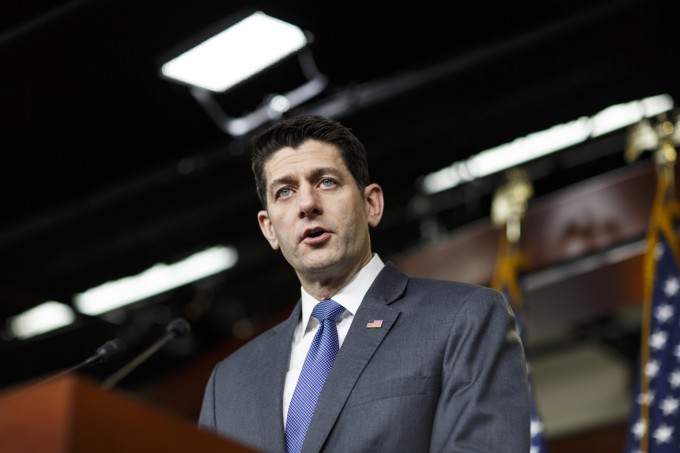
x: 72, y: 414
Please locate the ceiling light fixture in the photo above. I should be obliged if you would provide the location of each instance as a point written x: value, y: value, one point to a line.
x: 238, y: 53
x: 43, y: 318
x: 155, y: 280
x: 542, y: 143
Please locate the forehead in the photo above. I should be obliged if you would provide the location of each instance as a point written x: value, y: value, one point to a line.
x: 307, y: 157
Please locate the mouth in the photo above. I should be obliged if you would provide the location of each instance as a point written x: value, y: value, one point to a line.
x: 315, y: 235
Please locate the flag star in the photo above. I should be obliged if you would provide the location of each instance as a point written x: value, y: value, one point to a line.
x: 646, y: 398
x: 658, y: 340
x: 639, y: 429
x: 659, y: 250
x: 658, y: 389
x: 669, y: 405
x: 663, y: 434
x: 663, y: 313
x: 674, y: 378
x: 671, y: 286
x: 652, y: 368
x: 536, y: 427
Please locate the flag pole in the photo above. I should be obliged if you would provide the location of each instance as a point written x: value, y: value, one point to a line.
x: 507, y: 211
x: 659, y: 139
x: 508, y: 208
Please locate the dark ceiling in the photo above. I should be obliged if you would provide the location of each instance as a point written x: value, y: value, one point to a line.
x: 108, y: 169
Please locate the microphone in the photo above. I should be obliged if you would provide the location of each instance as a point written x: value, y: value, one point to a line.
x: 176, y: 329
x: 110, y: 350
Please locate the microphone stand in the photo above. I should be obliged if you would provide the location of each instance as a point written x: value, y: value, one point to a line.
x: 105, y: 353
x: 177, y: 328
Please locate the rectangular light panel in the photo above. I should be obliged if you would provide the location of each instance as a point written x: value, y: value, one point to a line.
x: 236, y: 54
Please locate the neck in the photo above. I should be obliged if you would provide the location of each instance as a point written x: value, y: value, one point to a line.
x: 324, y: 290
x: 323, y: 286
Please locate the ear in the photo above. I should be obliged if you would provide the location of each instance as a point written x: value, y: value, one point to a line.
x: 375, y: 204
x: 267, y: 229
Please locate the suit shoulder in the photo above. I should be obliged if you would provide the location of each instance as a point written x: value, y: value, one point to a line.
x: 261, y: 343
x: 453, y: 287
x: 467, y: 296
x: 424, y: 284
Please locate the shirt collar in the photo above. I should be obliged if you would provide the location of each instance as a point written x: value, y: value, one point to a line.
x: 350, y: 295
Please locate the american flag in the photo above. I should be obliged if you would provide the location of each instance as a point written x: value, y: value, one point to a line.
x: 655, y: 416
x: 506, y: 280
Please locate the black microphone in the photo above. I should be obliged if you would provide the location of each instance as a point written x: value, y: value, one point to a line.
x: 176, y: 329
x: 110, y: 350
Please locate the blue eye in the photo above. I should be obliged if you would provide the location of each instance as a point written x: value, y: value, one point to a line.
x: 285, y: 192
x: 327, y: 182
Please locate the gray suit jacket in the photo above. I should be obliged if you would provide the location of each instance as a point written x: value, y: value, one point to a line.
x: 444, y: 373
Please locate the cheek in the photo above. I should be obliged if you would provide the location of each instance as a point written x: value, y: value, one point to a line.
x: 283, y: 232
x: 356, y: 222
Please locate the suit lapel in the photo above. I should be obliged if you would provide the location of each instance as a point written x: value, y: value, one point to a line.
x: 273, y: 380
x: 356, y: 351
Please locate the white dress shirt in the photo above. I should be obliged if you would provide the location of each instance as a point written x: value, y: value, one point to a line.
x: 350, y: 297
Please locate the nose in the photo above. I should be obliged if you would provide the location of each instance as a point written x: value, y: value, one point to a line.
x: 308, y: 202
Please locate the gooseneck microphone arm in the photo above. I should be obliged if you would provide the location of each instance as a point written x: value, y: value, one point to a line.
x: 176, y: 329
x: 110, y: 350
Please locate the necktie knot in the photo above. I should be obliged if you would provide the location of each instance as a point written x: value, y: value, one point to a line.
x: 327, y: 310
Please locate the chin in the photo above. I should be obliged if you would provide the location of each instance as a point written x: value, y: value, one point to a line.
x: 317, y: 268
x: 321, y: 265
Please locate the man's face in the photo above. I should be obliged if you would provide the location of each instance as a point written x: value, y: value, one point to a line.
x: 316, y: 213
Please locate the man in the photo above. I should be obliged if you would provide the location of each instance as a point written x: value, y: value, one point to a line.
x: 423, y: 365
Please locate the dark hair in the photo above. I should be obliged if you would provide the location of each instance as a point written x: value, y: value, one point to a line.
x: 293, y: 132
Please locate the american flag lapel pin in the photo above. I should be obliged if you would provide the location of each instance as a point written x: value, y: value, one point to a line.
x: 374, y: 324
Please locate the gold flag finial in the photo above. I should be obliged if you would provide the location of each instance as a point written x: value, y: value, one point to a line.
x: 666, y: 155
x: 510, y: 202
x: 660, y: 137
x: 641, y: 137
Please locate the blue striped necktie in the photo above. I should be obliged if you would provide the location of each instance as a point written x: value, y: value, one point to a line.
x: 317, y: 365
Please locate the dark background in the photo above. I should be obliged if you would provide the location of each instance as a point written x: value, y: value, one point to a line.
x: 108, y: 169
